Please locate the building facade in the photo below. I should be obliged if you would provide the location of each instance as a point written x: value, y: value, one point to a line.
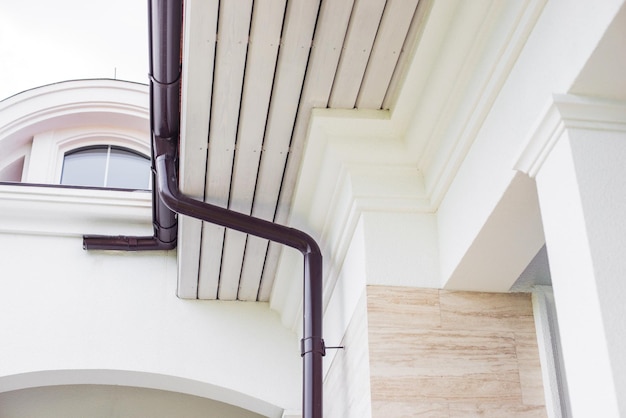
x: 499, y: 153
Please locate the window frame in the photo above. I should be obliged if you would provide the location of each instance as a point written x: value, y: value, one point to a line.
x: 44, y: 162
x: 108, y: 148
x: 73, y: 143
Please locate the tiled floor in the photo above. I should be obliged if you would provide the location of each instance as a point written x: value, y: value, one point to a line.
x: 436, y: 353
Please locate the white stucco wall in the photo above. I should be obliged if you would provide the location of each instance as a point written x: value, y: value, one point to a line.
x: 114, y: 318
x: 72, y: 317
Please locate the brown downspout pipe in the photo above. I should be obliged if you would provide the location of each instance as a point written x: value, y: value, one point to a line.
x: 165, y: 72
x: 165, y: 63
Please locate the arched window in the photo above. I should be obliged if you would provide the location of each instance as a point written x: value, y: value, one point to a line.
x: 106, y: 166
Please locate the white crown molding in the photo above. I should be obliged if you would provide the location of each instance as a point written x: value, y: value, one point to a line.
x: 564, y: 112
x: 444, y: 135
x: 340, y: 180
x: 404, y: 160
x: 57, y: 211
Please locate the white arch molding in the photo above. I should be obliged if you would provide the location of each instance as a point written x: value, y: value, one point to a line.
x: 41, y: 124
x: 139, y: 379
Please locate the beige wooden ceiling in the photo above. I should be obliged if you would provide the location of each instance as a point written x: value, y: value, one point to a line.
x: 252, y: 73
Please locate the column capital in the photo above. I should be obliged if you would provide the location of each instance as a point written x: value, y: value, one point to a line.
x: 562, y: 113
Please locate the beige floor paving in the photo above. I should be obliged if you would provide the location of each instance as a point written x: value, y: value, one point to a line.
x: 436, y: 353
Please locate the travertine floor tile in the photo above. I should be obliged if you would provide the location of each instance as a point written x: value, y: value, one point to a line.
x: 409, y: 409
x: 402, y: 307
x: 486, y: 311
x: 529, y: 369
x: 441, y: 352
x: 495, y: 388
x: 494, y: 410
x: 447, y: 354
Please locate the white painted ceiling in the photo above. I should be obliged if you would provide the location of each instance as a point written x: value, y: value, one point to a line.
x: 252, y: 73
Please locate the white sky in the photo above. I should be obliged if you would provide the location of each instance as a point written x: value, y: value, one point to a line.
x: 47, y: 41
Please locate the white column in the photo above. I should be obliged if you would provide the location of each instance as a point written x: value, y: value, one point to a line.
x: 546, y: 325
x: 41, y: 163
x: 578, y: 157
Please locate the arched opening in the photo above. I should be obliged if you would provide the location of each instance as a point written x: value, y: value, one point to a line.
x: 123, y: 393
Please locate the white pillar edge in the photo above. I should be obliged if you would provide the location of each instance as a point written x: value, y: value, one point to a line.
x: 545, y: 327
x: 562, y: 112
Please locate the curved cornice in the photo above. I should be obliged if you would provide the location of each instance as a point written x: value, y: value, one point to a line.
x: 72, y: 104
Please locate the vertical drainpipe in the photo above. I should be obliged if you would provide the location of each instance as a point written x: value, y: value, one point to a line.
x: 312, y: 344
x: 165, y: 23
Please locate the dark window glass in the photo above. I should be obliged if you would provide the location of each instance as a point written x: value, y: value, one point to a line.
x: 128, y: 170
x: 106, y: 166
x: 85, y: 167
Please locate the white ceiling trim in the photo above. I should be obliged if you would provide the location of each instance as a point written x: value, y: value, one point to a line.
x: 291, y: 68
x: 357, y: 47
x: 249, y: 75
x: 198, y: 61
x: 261, y: 60
x: 400, y: 17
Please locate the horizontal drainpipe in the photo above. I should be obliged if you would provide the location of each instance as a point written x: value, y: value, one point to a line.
x: 165, y: 23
